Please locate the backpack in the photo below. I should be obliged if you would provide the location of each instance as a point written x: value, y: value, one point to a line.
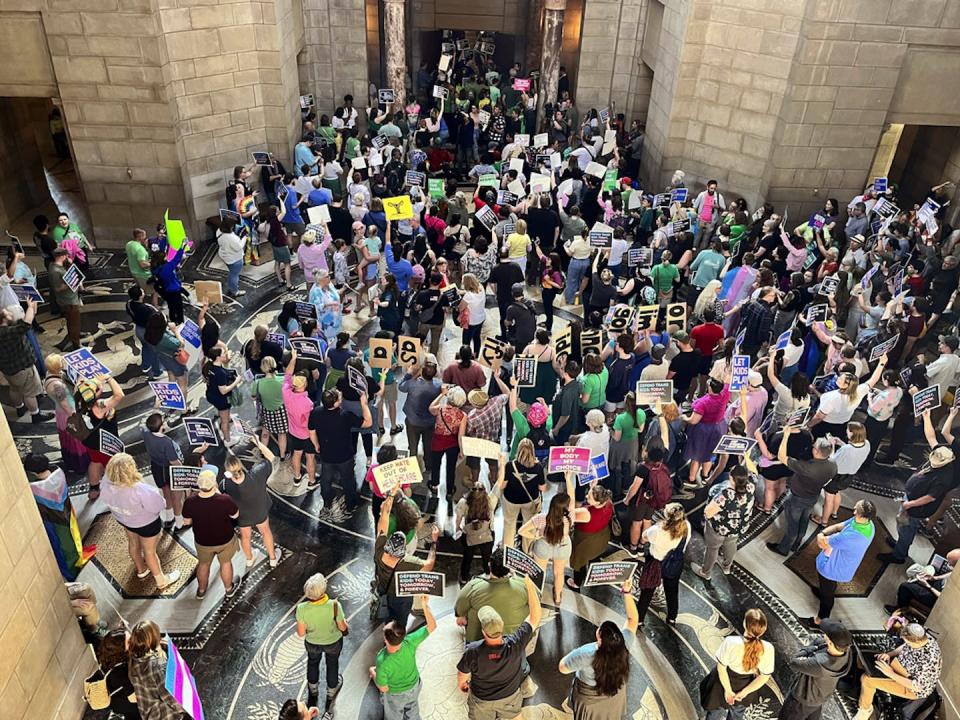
x: 660, y: 486
x: 541, y: 442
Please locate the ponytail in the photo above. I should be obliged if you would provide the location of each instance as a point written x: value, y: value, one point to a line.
x: 754, y: 626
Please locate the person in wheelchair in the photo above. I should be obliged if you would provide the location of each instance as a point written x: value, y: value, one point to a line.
x: 910, y: 671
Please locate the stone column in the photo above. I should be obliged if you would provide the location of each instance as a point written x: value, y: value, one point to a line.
x: 550, y: 56
x: 394, y: 30
x: 534, y: 36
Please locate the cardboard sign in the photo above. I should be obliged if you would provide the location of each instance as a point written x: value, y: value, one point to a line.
x: 419, y: 582
x: 539, y: 183
x: 397, y: 473
x: 829, y: 285
x: 398, y: 208
x: 83, y: 364
x: 522, y: 139
x: 491, y: 352
x: 524, y: 565
x: 478, y: 447
x: 440, y: 92
x: 386, y: 96
x: 678, y: 195
x: 734, y: 445
x: 413, y: 177
x: 110, y: 444
x: 525, y: 371
x: 200, y: 430
x: 741, y: 370
x: 649, y: 391
x: 880, y: 184
x: 609, y: 573
x: 541, y: 140
x: 487, y: 217
x: 563, y: 342
x: 884, y: 347
x: 818, y: 313
x: 609, y: 180
x: 435, y: 188
x: 381, y: 353
x: 521, y: 84
x: 926, y: 399
x: 645, y: 316
x: 319, y: 214
x: 183, y: 477
x: 484, y: 117
x: 208, y: 291
x: 798, y: 418
x: 601, y: 239
x: 26, y: 292
x: 598, y: 470
x: 73, y: 277
x: 620, y: 318
x: 784, y: 340
x: 569, y: 459
x: 676, y: 316
x: 169, y: 395
x: 306, y: 101
x: 591, y: 341
x: 356, y: 380
x: 408, y: 349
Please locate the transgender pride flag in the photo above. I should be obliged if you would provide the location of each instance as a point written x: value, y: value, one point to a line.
x: 180, y: 684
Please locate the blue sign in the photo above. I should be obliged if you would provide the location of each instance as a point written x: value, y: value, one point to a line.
x: 278, y: 338
x: 26, y: 292
x: 190, y: 333
x: 741, y: 370
x: 200, y: 430
x: 880, y: 184
x: 598, y: 470
x: 169, y: 395
x: 784, y: 340
x: 73, y: 278
x: 739, y: 342
x: 83, y: 364
x: 678, y: 195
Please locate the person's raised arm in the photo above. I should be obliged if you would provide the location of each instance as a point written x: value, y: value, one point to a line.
x: 878, y: 371
x: 365, y: 408
x: 428, y: 614
x: 431, y: 560
x: 264, y: 450
x: 512, y: 401
x: 929, y: 434
x: 533, y: 601
x: 383, y: 522
x: 292, y: 365
x: 782, y: 450
x: 947, y: 429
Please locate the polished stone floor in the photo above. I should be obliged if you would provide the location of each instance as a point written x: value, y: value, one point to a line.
x: 244, y: 652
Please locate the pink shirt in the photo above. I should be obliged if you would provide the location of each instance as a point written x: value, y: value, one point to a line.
x: 711, y: 407
x: 706, y: 210
x: 313, y: 257
x: 298, y: 406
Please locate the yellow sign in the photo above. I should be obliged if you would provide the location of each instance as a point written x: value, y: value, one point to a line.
x: 478, y: 447
x: 398, y: 208
x: 391, y: 475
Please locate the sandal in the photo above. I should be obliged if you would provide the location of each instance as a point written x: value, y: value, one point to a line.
x: 572, y: 585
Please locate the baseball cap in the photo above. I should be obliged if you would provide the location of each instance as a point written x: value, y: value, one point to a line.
x: 517, y: 289
x: 755, y: 379
x: 206, y: 480
x: 657, y: 352
x: 490, y: 621
x: 951, y: 341
x: 396, y: 545
x: 837, y: 633
x: 682, y: 336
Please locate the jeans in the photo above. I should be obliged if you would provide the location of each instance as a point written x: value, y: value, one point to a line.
x: 905, y: 537
x: 149, y: 360
x: 344, y: 472
x: 828, y: 590
x: 714, y: 541
x: 575, y: 273
x: 398, y: 609
x: 402, y: 706
x: 315, y: 653
x: 233, y: 277
x: 796, y: 511
x: 435, y: 459
x: 471, y: 336
x: 734, y: 712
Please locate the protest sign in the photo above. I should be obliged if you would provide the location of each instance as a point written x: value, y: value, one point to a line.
x: 73, y: 277
x: 208, y: 291
x: 784, y: 340
x: 541, y: 140
x: 884, y: 347
x: 452, y: 295
x: 307, y: 348
x: 278, y: 338
x: 184, y: 477
x: 478, y: 447
x: 741, y: 370
x: 398, y: 208
x: 379, y: 142
x: 524, y: 565
x: 563, y: 342
x: 609, y: 180
x: 880, y: 184
x: 263, y: 158
x: 734, y: 445
x: 818, y: 221
x: 26, y: 292
x: 569, y: 459
x: 798, y: 418
x: 83, y: 364
x: 440, y: 92
x: 678, y: 195
x: 525, y: 371
x: 306, y: 311
x: 605, y: 115
x: 539, y: 183
x: 640, y: 257
x: 491, y: 352
x: 356, y: 380
x: 397, y: 473
x: 661, y: 200
x: 381, y: 353
x: 601, y: 239
x: 598, y: 470
x: 596, y: 169
x: 386, y: 96
x: 829, y: 285
x: 522, y: 139
x: 319, y: 214
x: 521, y: 84
x: 818, y: 313
x: 676, y: 316
x: 591, y: 340
x: 110, y: 444
x: 306, y: 101
x: 169, y: 395
x: 487, y: 217
x: 484, y: 118
x: 415, y: 178
x: 739, y: 341
x: 419, y: 582
x: 190, y: 334
x: 649, y: 391
x: 678, y: 226
x: 230, y: 215
x: 646, y: 317
x: 447, y: 48
x: 868, y: 276
x: 435, y: 188
x: 620, y: 318
x: 408, y: 349
x: 609, y: 573
x: 200, y: 430
x: 505, y: 197
x: 926, y: 399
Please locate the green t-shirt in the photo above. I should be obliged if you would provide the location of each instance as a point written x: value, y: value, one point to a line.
x: 521, y: 428
x: 352, y: 148
x: 270, y: 392
x: 397, y: 671
x: 136, y: 254
x: 595, y: 386
x: 318, y: 616
x: 508, y: 595
x: 629, y: 430
x: 663, y: 276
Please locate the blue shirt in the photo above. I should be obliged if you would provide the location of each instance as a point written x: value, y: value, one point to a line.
x: 320, y: 196
x: 167, y: 273
x: 847, y: 550
x: 302, y: 155
x: 580, y: 660
x: 401, y: 269
x: 292, y: 214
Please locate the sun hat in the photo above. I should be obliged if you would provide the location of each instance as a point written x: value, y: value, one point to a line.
x: 478, y: 398
x: 941, y: 456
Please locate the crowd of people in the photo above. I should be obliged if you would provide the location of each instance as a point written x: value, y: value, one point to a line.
x: 806, y: 340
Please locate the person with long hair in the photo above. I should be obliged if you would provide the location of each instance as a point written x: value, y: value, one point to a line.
x: 388, y: 310
x: 74, y: 455
x: 167, y: 343
x: 148, y: 672
x: 849, y: 457
x: 525, y: 483
x: 221, y: 382
x: 473, y: 522
x: 550, y: 533
x: 258, y: 347
x: 882, y: 403
x: 114, y: 662
x: 551, y: 284
x: 249, y: 491
x: 668, y: 540
x: 788, y: 399
x: 744, y: 665
x: 322, y: 623
x: 602, y: 668
x: 837, y: 406
x: 708, y: 300
x: 726, y: 517
x: 591, y: 532
x: 705, y: 425
x: 272, y: 413
x: 474, y: 304
x: 96, y: 414
x: 136, y: 506
x: 421, y: 386
x: 464, y: 371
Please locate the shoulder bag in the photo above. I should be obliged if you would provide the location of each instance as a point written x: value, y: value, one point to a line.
x: 538, y: 503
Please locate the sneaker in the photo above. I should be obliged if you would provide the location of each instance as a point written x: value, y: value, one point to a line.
x: 396, y: 429
x: 240, y: 293
x: 232, y: 590
x: 201, y: 594
x: 277, y: 553
x: 332, y: 692
x: 21, y: 410
x: 40, y: 417
x: 172, y: 577
x: 299, y: 479
x: 698, y: 569
x: 726, y: 570
x: 248, y: 562
x: 143, y: 574
x: 178, y: 522
x: 312, y: 698
x: 891, y: 559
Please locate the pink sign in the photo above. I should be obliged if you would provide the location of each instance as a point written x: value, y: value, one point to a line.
x: 522, y: 84
x: 573, y: 459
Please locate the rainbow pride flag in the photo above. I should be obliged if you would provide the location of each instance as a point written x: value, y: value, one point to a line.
x: 180, y: 684
x: 60, y: 524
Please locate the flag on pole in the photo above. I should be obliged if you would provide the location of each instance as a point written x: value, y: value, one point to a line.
x: 180, y: 684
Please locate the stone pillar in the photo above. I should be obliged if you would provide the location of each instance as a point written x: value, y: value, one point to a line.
x: 394, y: 34
x: 534, y: 36
x: 550, y: 55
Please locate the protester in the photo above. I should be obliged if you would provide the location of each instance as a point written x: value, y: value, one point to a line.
x: 212, y: 514
x: 322, y: 623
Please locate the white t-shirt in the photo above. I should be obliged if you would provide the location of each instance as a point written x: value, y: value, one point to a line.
x: 730, y: 653
x: 660, y: 541
x: 837, y: 408
x: 598, y: 442
x: 792, y: 354
x: 476, y: 302
x: 849, y: 457
x: 617, y: 249
x: 230, y: 248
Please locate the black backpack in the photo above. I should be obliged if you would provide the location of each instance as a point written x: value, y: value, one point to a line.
x: 541, y: 442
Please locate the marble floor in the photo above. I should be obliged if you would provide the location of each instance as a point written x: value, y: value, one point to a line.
x: 243, y: 650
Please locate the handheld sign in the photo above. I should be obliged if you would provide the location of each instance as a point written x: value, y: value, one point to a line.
x: 491, y: 352
x: 522, y: 139
x: 784, y: 340
x: 306, y: 311
x: 398, y: 208
x: 678, y: 226
x: 487, y: 217
x: 649, y: 391
x: 640, y: 257
x: 408, y: 349
x: 881, y: 349
x: 563, y: 342
x: 306, y: 101
x: 601, y: 239
x: 524, y: 565
x: 391, y: 475
x: 505, y: 197
x: 263, y: 158
x: 521, y: 84
x: 26, y: 292
x: 739, y: 341
x: 609, y: 573
x: 415, y: 178
x: 741, y: 370
x: 818, y: 313
x: 880, y: 184
x: 539, y: 183
x: 676, y: 316
x: 190, y: 334
x: 829, y: 285
x: 83, y: 363
x: 440, y: 92
x: 419, y: 582
x: 200, y: 430
x: 488, y: 179
x: 319, y: 214
x: 452, y: 295
x: 926, y: 399
x: 591, y: 341
x: 798, y: 418
x: 73, y: 277
x: 646, y: 317
x: 208, y: 291
x: 110, y: 444
x: 541, y: 140
x: 279, y: 338
x: 379, y: 141
x: 620, y: 319
x: 596, y: 169
x: 435, y: 188
x: 381, y: 353
x: 525, y: 370
x: 598, y: 470
x: 356, y: 380
x: 183, y: 477
x: 307, y: 348
x: 868, y: 276
x: 386, y: 96
x: 478, y: 447
x: 678, y: 195
x: 230, y: 215
x: 169, y: 395
x: 609, y: 180
x: 569, y: 459
x: 734, y: 445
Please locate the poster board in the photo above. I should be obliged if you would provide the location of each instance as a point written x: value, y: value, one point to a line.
x: 381, y: 353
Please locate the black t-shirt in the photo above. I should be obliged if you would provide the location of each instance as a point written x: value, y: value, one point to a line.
x: 685, y: 366
x: 601, y: 294
x: 340, y: 223
x: 679, y: 244
x: 212, y: 524
x: 519, y: 476
x: 496, y: 670
x: 267, y: 349
x: 936, y: 483
x: 542, y: 223
x: 209, y: 335
x: 769, y: 244
x: 140, y: 312
x: 431, y: 304
x: 333, y: 428
x: 618, y: 380
x: 504, y: 275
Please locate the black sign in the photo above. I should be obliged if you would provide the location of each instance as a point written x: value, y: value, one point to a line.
x: 926, y: 399
x: 419, y: 582
x: 524, y: 565
x: 591, y: 340
x: 183, y: 477
x: 525, y: 370
x: 734, y: 445
x: 307, y: 348
x: 263, y: 158
x: 818, y: 313
x: 379, y: 141
x: 678, y: 226
x: 649, y: 391
x: 505, y: 197
x: 829, y: 285
x: 646, y: 316
x: 609, y: 573
x: 641, y: 256
x: 386, y: 96
x: 357, y: 380
x: 452, y: 296
x: 200, y: 430
x: 601, y: 238
x: 415, y: 178
x: 110, y: 444
x: 306, y: 311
